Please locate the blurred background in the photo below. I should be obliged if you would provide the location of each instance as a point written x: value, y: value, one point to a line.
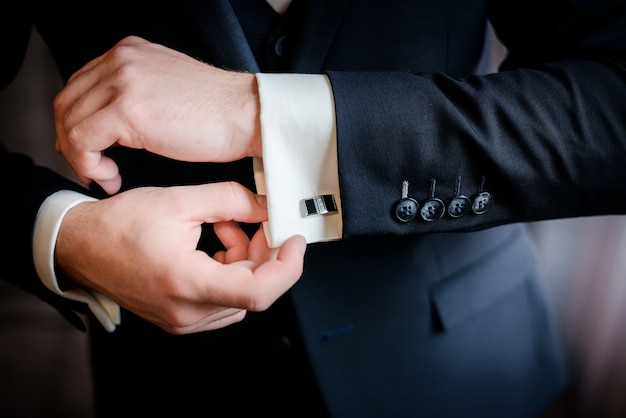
x: 44, y: 369
x: 44, y: 362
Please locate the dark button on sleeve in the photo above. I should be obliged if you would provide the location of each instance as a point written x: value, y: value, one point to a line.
x: 459, y: 206
x: 406, y: 209
x: 482, y: 203
x: 432, y: 209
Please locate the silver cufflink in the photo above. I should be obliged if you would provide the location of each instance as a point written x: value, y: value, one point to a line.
x: 319, y: 205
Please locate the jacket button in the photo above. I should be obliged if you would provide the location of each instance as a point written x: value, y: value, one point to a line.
x: 406, y: 209
x: 432, y: 209
x: 459, y: 206
x: 482, y: 203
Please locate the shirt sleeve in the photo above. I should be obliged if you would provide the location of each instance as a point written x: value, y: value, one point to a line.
x: 298, y: 171
x: 47, y: 226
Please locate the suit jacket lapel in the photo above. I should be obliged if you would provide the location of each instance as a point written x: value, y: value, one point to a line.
x: 317, y: 21
x: 221, y: 34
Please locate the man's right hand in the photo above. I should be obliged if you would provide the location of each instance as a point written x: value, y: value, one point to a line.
x: 146, y: 96
x: 140, y: 249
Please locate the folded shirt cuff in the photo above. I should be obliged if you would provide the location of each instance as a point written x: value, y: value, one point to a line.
x: 299, y: 156
x: 47, y: 226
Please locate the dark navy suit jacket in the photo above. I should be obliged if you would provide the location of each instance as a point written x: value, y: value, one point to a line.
x: 440, y: 318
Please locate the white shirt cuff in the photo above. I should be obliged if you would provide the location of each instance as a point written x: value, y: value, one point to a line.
x: 299, y: 161
x: 47, y: 227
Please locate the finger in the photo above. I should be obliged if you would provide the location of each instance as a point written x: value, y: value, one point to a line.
x: 219, y: 320
x: 82, y: 81
x: 82, y: 143
x: 234, y: 239
x: 96, y: 166
x: 87, y: 123
x: 111, y: 186
x: 289, y: 261
x: 220, y: 256
x: 83, y: 152
x: 131, y: 40
x: 105, y: 173
x: 77, y: 100
x: 254, y: 290
x: 223, y: 201
x: 218, y: 317
x: 258, y: 249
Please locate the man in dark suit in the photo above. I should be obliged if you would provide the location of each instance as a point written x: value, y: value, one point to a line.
x: 420, y: 295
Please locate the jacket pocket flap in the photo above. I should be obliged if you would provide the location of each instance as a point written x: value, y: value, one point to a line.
x: 476, y: 286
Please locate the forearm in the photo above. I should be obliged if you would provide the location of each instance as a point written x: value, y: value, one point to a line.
x: 47, y: 224
x: 29, y: 242
x: 544, y: 137
x: 547, y: 140
x: 24, y: 186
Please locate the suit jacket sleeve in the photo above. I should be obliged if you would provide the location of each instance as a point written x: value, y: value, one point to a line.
x: 24, y: 186
x: 547, y: 133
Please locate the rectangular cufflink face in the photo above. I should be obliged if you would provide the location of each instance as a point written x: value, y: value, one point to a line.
x: 319, y: 205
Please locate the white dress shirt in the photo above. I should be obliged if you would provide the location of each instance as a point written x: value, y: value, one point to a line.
x: 299, y: 161
x: 299, y: 155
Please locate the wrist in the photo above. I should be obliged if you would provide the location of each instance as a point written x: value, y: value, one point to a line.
x: 68, y: 239
x: 256, y: 148
x: 48, y: 226
x: 250, y: 122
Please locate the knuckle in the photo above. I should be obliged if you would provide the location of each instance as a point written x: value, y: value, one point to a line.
x: 74, y: 136
x: 122, y: 52
x: 257, y: 303
x: 123, y: 59
x: 230, y: 189
x: 233, y: 192
x: 58, y: 102
x: 178, y: 321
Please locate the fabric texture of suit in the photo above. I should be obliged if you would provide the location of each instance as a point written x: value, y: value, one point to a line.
x: 433, y: 319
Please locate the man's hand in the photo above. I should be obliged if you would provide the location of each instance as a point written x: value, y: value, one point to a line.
x: 146, y: 96
x: 140, y: 249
